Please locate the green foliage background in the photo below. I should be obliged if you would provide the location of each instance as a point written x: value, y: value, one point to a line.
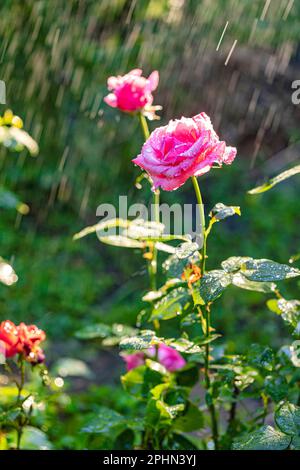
x: 55, y: 59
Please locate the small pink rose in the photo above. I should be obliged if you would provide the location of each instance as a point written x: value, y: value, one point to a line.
x: 168, y: 357
x: 185, y: 147
x: 134, y: 360
x: 131, y: 92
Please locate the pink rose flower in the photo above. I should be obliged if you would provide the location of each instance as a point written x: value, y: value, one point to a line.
x: 185, y: 147
x: 167, y: 356
x: 134, y: 360
x: 131, y: 92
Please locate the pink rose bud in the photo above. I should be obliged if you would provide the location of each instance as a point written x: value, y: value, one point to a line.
x: 131, y: 92
x: 185, y: 147
x: 134, y: 360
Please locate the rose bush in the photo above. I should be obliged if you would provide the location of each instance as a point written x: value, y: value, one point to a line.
x: 163, y: 368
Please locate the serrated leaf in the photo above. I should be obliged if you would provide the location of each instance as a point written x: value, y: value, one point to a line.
x: 213, y: 283
x: 185, y: 250
x: 287, y: 418
x: 174, y: 266
x: 277, y: 179
x: 171, y: 305
x: 220, y: 211
x: 242, y: 282
x: 264, y: 438
x: 259, y: 270
x: 265, y: 270
x: 138, y: 343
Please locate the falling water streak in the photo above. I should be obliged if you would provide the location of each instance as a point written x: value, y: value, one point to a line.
x: 222, y: 35
x: 265, y: 10
x: 288, y: 9
x: 230, y: 52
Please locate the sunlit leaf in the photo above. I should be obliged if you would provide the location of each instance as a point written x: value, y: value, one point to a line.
x: 171, y: 305
x: 137, y: 343
x: 287, y: 418
x: 264, y: 438
x: 242, y: 282
x: 34, y: 439
x: 220, y: 211
x: 213, y: 283
x: 277, y: 179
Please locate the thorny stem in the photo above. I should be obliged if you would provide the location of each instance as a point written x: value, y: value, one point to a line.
x: 156, y: 197
x: 211, y: 405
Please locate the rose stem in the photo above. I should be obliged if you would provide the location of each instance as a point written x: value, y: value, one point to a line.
x: 211, y: 406
x: 153, y: 263
x: 20, y: 386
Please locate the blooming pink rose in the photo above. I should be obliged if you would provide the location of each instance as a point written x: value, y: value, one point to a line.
x: 167, y: 356
x: 131, y: 92
x: 185, y: 147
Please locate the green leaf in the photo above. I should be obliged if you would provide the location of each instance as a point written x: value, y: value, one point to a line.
x: 35, y: 439
x: 169, y: 411
x: 261, y: 357
x: 220, y: 211
x: 242, y: 282
x: 191, y: 420
x: 105, y: 225
x: 138, y: 343
x: 184, y: 345
x: 181, y: 442
x: 174, y: 266
x: 140, y: 229
x: 171, y: 305
x: 188, y: 375
x: 99, y: 330
x: 276, y: 387
x: 141, y: 380
x: 103, y: 331
x: 287, y: 418
x: 272, y: 305
x: 259, y: 270
x: 185, y: 250
x: 277, y: 179
x: 213, y: 283
x: 264, y: 438
x: 105, y: 422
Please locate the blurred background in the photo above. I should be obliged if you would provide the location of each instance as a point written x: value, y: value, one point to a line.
x: 235, y: 60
